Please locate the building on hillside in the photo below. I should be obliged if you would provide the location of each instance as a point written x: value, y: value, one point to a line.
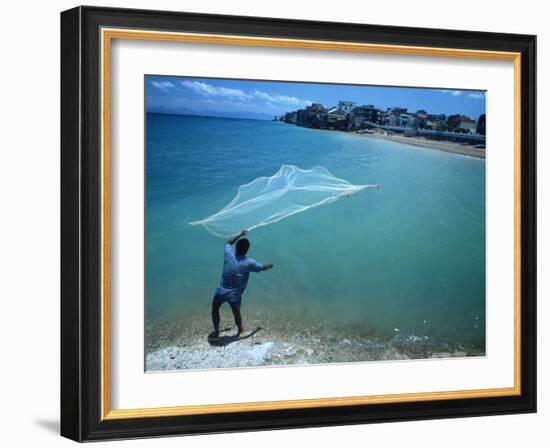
x: 469, y: 126
x: 420, y: 119
x: 346, y: 106
x: 314, y: 116
x: 402, y: 120
x: 454, y: 120
x: 361, y: 116
x: 338, y: 117
x: 481, y: 125
x: 437, y: 118
x: 383, y: 117
x: 398, y: 110
x: 396, y: 116
x: 290, y: 117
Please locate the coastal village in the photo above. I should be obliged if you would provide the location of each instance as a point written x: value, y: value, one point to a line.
x: 393, y: 122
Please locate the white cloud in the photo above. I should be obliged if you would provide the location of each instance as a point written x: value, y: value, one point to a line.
x: 163, y: 85
x: 452, y: 92
x: 474, y: 95
x: 477, y: 95
x: 269, y: 99
x: 275, y: 98
x: 205, y: 89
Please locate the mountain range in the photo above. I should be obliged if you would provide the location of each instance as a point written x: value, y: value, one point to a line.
x: 209, y: 113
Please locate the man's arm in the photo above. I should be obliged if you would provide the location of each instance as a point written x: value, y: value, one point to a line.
x: 254, y: 266
x: 234, y: 239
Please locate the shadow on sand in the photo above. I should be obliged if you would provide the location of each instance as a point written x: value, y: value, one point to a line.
x: 223, y: 341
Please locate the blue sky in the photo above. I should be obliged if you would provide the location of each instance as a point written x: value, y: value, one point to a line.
x: 264, y: 99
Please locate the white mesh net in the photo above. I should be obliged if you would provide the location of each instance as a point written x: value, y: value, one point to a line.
x: 266, y: 200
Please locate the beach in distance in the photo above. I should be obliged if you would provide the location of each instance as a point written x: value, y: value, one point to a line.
x: 442, y: 145
x: 394, y: 273
x: 427, y: 143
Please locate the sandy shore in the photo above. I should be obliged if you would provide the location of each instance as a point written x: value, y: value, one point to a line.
x: 182, y: 343
x: 442, y: 145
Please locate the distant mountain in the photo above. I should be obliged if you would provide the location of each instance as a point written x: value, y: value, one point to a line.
x: 171, y: 110
x: 209, y: 113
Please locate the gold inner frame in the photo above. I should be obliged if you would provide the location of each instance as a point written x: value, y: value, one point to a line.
x: 107, y: 35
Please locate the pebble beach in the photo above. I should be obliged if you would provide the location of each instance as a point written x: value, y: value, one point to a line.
x: 182, y: 343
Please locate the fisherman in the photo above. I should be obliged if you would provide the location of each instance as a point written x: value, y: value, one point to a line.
x: 236, y: 268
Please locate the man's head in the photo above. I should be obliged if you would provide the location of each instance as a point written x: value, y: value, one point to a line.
x: 242, y: 247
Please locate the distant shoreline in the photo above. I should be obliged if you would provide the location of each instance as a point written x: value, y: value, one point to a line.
x: 441, y: 145
x: 198, y: 115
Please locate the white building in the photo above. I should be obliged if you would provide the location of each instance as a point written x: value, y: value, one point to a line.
x: 346, y: 106
x: 406, y: 120
x: 469, y: 126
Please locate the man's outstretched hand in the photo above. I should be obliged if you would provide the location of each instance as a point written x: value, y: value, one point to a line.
x: 268, y: 266
x: 244, y: 232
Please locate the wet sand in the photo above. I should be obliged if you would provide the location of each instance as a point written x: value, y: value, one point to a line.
x: 442, y: 145
x: 182, y: 342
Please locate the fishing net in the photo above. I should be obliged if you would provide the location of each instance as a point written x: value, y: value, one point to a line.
x: 267, y: 200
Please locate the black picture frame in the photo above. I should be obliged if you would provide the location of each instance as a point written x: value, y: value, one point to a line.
x: 81, y: 224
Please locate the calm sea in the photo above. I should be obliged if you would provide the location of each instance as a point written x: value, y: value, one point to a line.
x: 410, y: 256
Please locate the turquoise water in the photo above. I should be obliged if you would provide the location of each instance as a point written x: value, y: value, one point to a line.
x: 410, y: 256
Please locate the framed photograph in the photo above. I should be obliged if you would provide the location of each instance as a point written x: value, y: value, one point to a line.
x: 274, y: 223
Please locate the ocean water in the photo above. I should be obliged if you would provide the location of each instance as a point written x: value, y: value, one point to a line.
x: 408, y: 258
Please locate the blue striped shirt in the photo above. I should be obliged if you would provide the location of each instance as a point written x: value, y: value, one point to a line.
x: 236, y: 269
